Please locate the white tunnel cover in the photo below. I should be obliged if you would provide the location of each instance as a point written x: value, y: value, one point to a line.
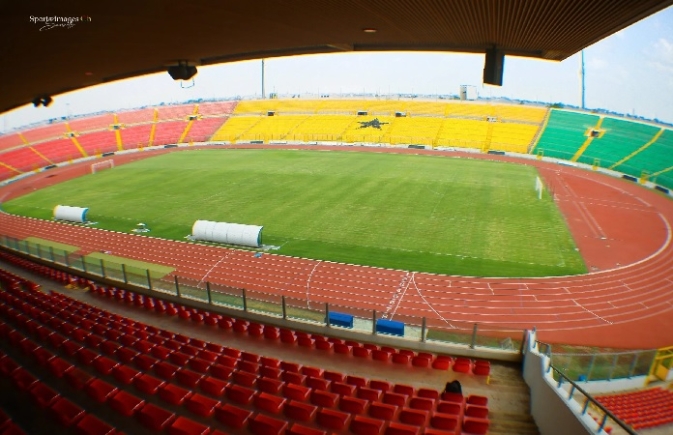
x: 231, y: 234
x: 72, y: 214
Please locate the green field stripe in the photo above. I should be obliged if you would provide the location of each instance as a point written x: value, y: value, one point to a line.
x: 113, y: 262
x: 58, y: 247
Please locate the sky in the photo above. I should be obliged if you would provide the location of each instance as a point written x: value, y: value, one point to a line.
x: 630, y: 72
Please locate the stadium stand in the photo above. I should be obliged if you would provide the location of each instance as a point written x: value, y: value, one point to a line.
x: 9, y: 141
x: 202, y: 130
x: 24, y: 159
x: 235, y: 127
x: 98, y: 142
x: 47, y: 334
x: 422, y: 131
x: 322, y: 128
x: 273, y: 127
x: 216, y: 108
x: 50, y: 131
x: 462, y: 133
x: 564, y: 134
x: 641, y: 409
x: 650, y: 159
x: 166, y: 113
x: 59, y: 150
x: 620, y: 139
x: 168, y: 132
x: 135, y: 136
x: 357, y: 132
x: 136, y: 116
x: 512, y: 137
x: 91, y: 123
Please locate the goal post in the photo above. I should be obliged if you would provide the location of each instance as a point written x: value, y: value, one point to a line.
x: 539, y: 187
x: 101, y: 166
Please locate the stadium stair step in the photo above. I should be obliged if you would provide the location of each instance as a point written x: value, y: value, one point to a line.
x: 502, y: 423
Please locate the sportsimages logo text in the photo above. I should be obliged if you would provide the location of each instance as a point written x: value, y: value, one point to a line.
x: 52, y: 22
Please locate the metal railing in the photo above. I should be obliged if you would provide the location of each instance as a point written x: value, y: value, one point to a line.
x: 418, y: 329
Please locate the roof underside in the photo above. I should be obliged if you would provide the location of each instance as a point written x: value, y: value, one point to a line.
x: 127, y: 38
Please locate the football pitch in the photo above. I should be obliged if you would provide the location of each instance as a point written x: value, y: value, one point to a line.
x: 420, y: 213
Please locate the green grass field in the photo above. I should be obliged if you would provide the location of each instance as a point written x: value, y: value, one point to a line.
x: 422, y: 213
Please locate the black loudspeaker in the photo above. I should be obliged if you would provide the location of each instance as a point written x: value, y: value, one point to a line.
x: 494, y: 65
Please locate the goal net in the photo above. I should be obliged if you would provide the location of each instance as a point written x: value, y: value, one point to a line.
x: 101, y: 166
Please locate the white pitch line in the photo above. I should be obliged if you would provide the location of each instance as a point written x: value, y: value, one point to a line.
x: 591, y: 312
x: 224, y: 257
x: 308, y: 285
x: 399, y: 300
x: 428, y: 304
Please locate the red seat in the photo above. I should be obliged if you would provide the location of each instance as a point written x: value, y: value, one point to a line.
x: 420, y: 361
x: 148, y: 384
x: 186, y: 426
x: 271, y: 332
x: 298, y: 429
x: 299, y: 411
x: 324, y: 345
x: 451, y: 408
x: 441, y: 364
x: 42, y: 356
x: 414, y: 417
x: 476, y: 426
x: 179, y: 358
x: 244, y: 378
x: 342, y: 348
x: 332, y: 419
x: 380, y: 385
x: 126, y: 403
x: 66, y: 412
x: 208, y: 355
x: 200, y: 365
x: 343, y: 389
x: 401, y: 429
x: 104, y: 365
x: 86, y: 356
x: 269, y: 403
x: 77, y: 378
x: 43, y: 395
x: 482, y: 368
x: 293, y: 378
x: 382, y: 411
x: 100, y: 390
x: 361, y: 425
x: 352, y: 405
x: 296, y: 392
x: 165, y: 370
x: 453, y: 397
x: 324, y: 398
x: 188, y: 378
x: 312, y: 371
x: 271, y: 386
x: 317, y: 383
x: 213, y: 386
x: 161, y: 352
x: 446, y: 422
x: 155, y: 417
x: 228, y: 361
x: 240, y: 394
x: 361, y: 352
x: 356, y: 380
x: 291, y: 367
x: 424, y: 403
x: 201, y: 405
x: 125, y: 374
x: 92, y: 425
x: 473, y: 399
x: 173, y: 394
x: 394, y: 398
x: 427, y: 392
x: 368, y: 393
x: 334, y: 376
x: 232, y: 416
x: 476, y: 411
x: 109, y: 347
x: 220, y: 371
x: 58, y: 367
x: 93, y: 341
x: 381, y: 355
x: 145, y: 362
x: 126, y: 354
x: 262, y: 424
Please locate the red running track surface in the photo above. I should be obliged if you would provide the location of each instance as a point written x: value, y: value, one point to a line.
x: 622, y: 230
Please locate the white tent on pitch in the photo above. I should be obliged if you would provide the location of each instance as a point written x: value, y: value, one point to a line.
x: 231, y: 234
x: 72, y: 214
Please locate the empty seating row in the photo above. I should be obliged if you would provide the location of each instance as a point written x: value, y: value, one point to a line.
x: 84, y: 355
x: 641, y: 409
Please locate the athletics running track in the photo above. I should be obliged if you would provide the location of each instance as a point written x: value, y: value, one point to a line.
x: 622, y: 230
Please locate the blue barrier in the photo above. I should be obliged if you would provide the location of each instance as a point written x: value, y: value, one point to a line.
x: 390, y: 327
x: 340, y: 319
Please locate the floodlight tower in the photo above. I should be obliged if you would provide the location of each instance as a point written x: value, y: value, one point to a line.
x: 582, y: 88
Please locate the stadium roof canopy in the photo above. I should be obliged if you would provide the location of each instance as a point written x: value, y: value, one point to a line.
x: 124, y: 38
